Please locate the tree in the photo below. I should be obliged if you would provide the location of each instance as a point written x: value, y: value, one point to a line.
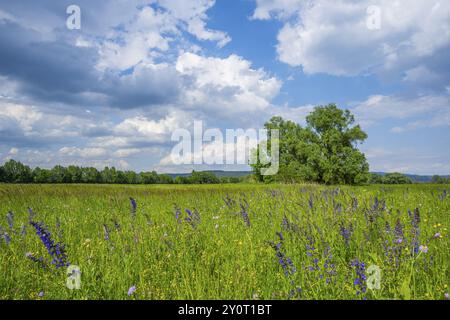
x: 74, y: 174
x: 59, y: 174
x: 165, y: 179
x: 149, y: 177
x: 16, y: 172
x: 325, y: 151
x: 41, y: 175
x: 375, y: 178
x: 2, y: 174
x: 396, y: 178
x: 203, y: 178
x: 90, y: 175
x: 440, y: 180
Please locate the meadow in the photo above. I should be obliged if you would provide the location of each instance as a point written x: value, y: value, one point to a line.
x: 225, y: 241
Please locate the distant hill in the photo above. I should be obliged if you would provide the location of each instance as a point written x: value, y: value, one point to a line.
x: 237, y: 174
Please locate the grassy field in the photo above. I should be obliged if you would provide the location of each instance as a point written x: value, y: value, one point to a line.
x: 234, y: 242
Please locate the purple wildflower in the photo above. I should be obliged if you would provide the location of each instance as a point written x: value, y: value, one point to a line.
x: 133, y: 207
x: 193, y: 218
x: 312, y: 254
x: 7, y: 238
x: 354, y: 203
x: 41, y: 294
x: 10, y: 219
x: 328, y: 266
x: 446, y: 296
x: 23, y: 230
x: 245, y: 216
x: 229, y: 201
x: 398, y: 231
x: 31, y: 215
x: 106, y: 232
x: 423, y: 249
x: 132, y: 290
x: 387, y: 227
x: 55, y: 250
x: 280, y: 235
x: 416, y: 218
x: 285, y: 262
x: 360, y: 280
x: 178, y: 215
x: 311, y: 202
x: 40, y: 261
x: 415, y: 221
x: 346, y: 233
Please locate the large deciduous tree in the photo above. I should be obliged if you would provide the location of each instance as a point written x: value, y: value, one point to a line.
x: 325, y: 151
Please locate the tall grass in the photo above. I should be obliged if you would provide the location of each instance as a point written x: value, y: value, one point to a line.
x: 249, y: 242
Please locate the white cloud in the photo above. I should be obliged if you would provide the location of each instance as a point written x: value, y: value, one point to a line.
x: 24, y: 116
x: 266, y: 9
x: 434, y: 111
x: 226, y: 85
x: 146, y: 33
x: 235, y: 155
x: 151, y: 31
x: 13, y: 151
x: 331, y: 36
x: 407, y: 160
x: 193, y: 14
x: 91, y: 153
x: 295, y: 114
x: 141, y: 126
x: 125, y: 153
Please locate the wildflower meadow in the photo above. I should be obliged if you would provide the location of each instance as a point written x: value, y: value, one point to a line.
x: 224, y: 242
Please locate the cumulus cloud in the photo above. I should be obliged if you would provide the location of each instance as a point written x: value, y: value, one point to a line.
x: 126, y: 63
x: 193, y: 15
x: 407, y: 160
x: 434, y: 111
x: 266, y: 9
x: 332, y: 36
x: 83, y: 152
x: 227, y: 85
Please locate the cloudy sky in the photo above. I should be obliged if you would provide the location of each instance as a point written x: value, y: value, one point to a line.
x: 113, y: 92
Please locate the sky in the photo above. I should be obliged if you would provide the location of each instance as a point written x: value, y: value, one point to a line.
x: 112, y: 92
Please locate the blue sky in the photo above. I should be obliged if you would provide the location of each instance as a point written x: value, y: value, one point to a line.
x: 113, y: 92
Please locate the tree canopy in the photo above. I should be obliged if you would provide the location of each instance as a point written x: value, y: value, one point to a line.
x: 390, y: 178
x: 324, y: 151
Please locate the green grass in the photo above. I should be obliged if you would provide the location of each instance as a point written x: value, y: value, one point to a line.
x: 223, y: 258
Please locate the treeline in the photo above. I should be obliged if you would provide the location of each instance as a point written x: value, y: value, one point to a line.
x: 440, y: 180
x: 16, y: 172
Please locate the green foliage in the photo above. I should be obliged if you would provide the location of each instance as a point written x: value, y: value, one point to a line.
x: 16, y: 172
x: 199, y: 178
x: 323, y: 152
x: 391, y: 178
x: 440, y: 180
